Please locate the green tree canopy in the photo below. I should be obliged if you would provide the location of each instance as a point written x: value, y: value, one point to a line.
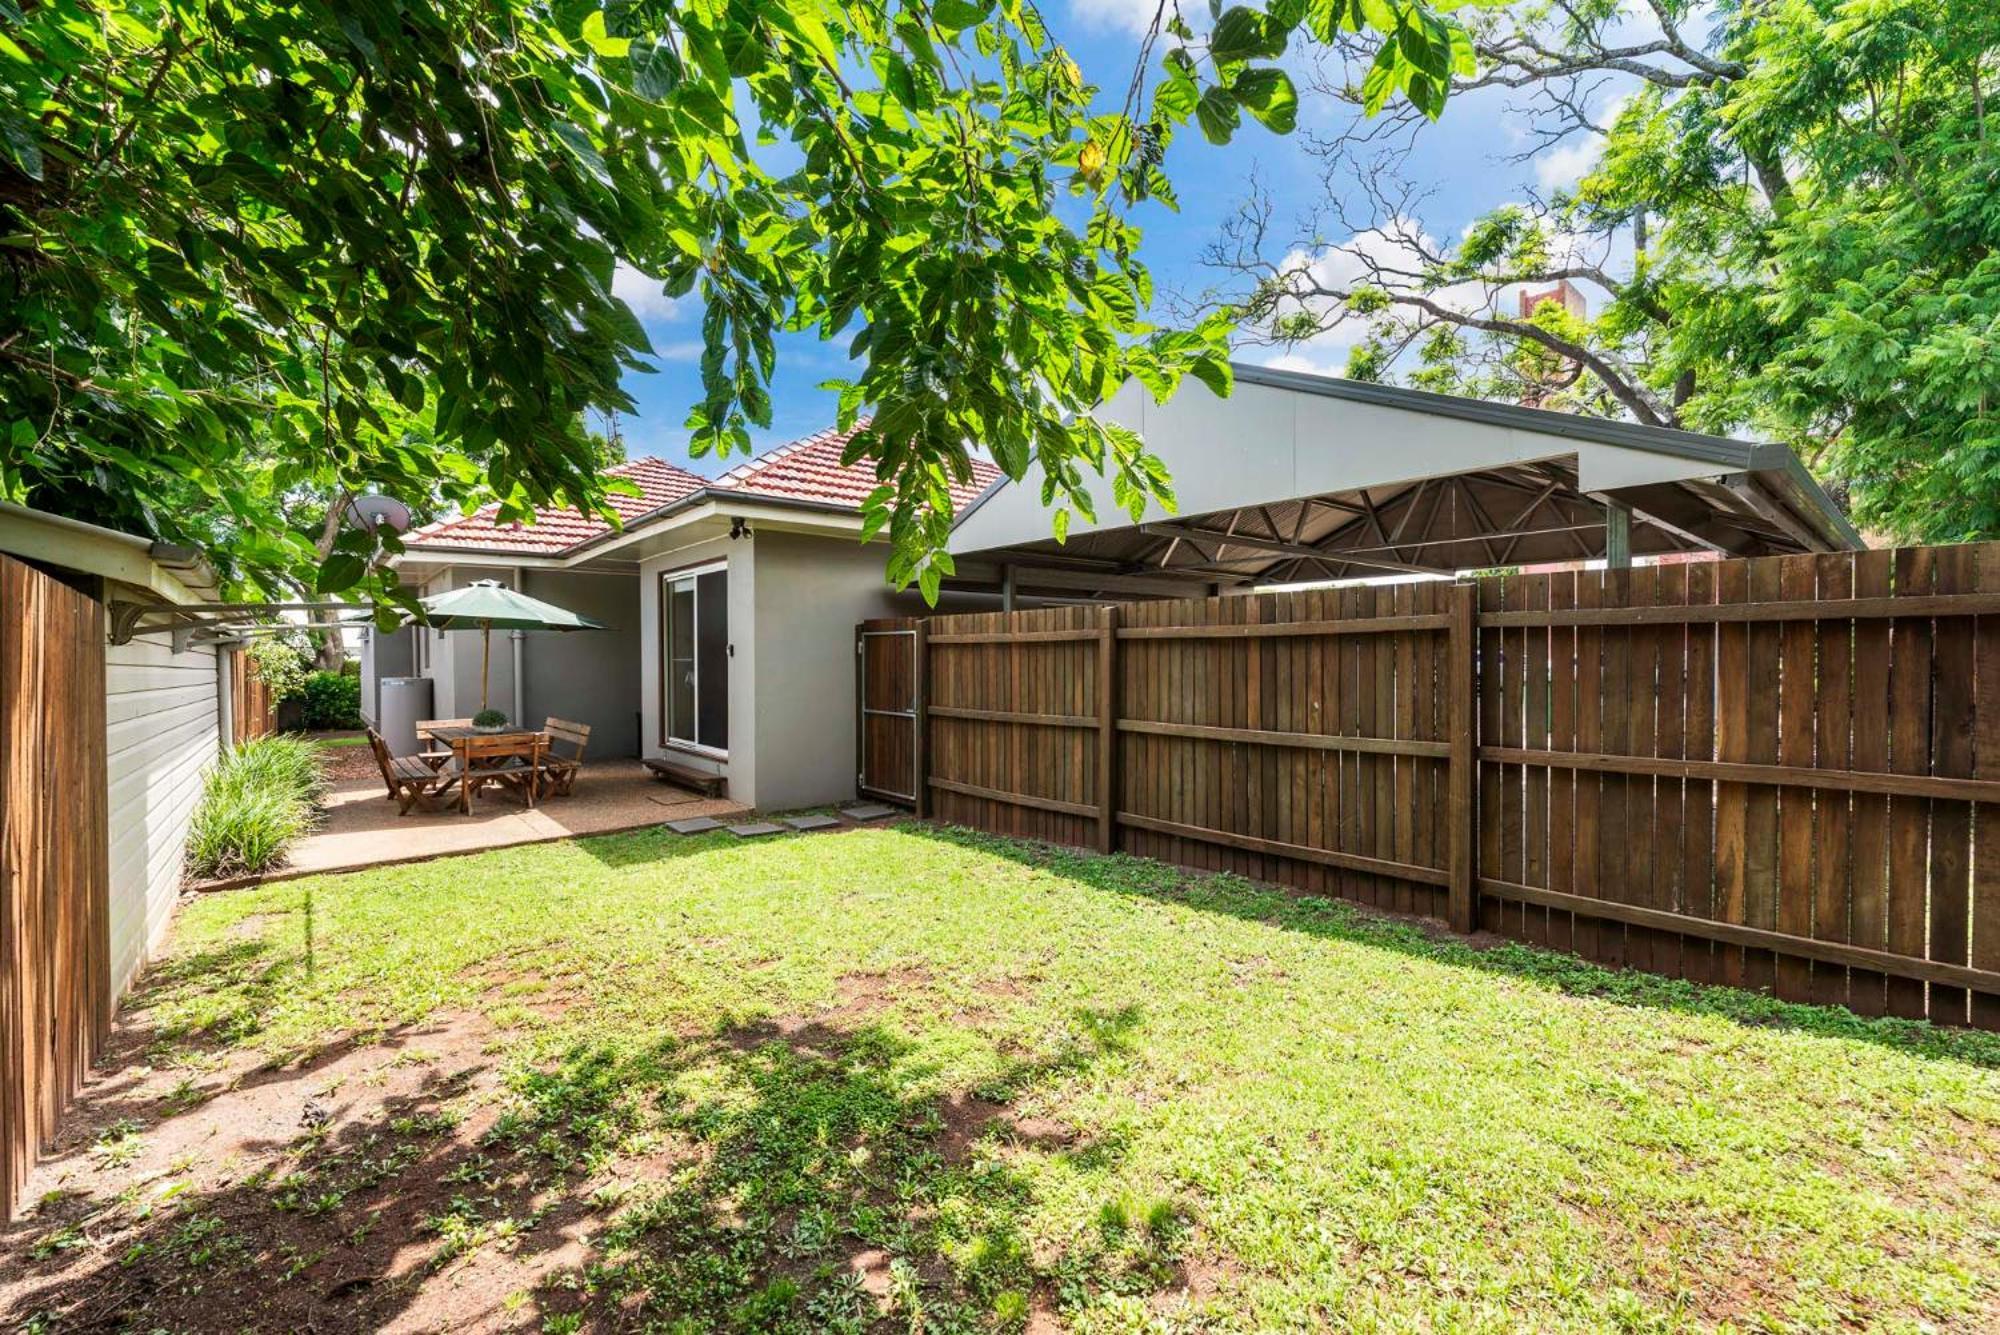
x: 260, y: 254
x: 1790, y: 231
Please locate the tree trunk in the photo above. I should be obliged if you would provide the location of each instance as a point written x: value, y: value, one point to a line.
x: 330, y: 646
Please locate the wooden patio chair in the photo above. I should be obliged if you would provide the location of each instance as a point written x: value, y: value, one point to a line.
x: 433, y: 754
x: 498, y: 762
x: 410, y: 781
x: 564, y: 756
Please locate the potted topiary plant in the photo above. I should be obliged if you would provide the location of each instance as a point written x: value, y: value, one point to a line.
x: 489, y: 720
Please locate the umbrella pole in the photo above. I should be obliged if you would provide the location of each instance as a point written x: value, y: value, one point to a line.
x: 485, y: 660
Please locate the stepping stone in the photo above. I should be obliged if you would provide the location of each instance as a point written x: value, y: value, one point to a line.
x: 752, y: 829
x: 814, y: 822
x: 867, y: 811
x: 694, y: 825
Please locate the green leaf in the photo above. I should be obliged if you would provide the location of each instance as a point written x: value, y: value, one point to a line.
x: 599, y: 40
x: 958, y: 15
x: 1244, y: 34
x: 1216, y: 373
x: 1114, y: 291
x: 1464, y: 58
x: 1269, y: 95
x: 1176, y: 96
x: 656, y: 69
x: 339, y: 572
x: 1385, y: 78
x: 1217, y: 114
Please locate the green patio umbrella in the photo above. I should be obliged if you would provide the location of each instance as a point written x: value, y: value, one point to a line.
x: 487, y: 603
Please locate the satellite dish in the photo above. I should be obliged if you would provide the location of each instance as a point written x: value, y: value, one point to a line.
x: 376, y: 513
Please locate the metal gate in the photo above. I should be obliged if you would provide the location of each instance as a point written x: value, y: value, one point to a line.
x: 889, y: 704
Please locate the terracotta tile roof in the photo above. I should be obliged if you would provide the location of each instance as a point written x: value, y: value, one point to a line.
x: 806, y: 470
x: 810, y: 470
x: 557, y: 531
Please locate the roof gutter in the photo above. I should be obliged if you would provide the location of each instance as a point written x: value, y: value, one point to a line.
x: 568, y: 556
x: 171, y: 573
x: 1802, y: 494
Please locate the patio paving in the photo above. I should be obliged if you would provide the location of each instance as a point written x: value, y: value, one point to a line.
x: 362, y: 829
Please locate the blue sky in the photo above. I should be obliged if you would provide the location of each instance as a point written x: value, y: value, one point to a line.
x: 1464, y: 159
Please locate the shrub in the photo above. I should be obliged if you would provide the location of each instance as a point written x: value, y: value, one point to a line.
x: 282, y: 663
x: 261, y: 796
x: 281, y: 764
x: 489, y: 718
x: 332, y: 701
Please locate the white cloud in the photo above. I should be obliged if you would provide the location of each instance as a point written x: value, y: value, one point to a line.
x: 1568, y: 163
x: 1307, y: 357
x: 1131, y: 16
x: 1400, y: 244
x: 646, y: 296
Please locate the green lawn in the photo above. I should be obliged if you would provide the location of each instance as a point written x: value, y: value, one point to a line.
x: 899, y: 1079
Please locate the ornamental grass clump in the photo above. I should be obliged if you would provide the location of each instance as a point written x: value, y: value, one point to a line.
x: 264, y: 794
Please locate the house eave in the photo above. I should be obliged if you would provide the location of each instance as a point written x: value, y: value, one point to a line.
x: 828, y: 517
x: 165, y: 572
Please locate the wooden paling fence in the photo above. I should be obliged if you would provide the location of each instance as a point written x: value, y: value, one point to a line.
x: 55, y: 992
x: 253, y: 712
x: 1780, y: 773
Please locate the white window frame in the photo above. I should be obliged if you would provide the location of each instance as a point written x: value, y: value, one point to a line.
x: 667, y: 579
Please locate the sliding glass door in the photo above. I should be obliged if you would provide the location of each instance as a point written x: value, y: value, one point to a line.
x: 694, y: 645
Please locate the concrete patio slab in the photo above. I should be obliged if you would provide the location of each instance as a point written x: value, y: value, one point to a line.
x: 362, y: 829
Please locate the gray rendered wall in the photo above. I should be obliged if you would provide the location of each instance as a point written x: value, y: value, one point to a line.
x: 589, y: 676
x: 810, y: 592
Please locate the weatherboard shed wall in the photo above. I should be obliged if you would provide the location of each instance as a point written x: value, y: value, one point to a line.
x: 163, y: 730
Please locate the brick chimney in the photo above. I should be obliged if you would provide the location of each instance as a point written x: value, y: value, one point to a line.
x: 1563, y: 294
x: 1561, y: 373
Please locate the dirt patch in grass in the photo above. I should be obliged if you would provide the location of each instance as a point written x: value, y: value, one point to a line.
x: 861, y: 994
x: 253, y: 1196
x: 416, y: 1181
x: 857, y: 998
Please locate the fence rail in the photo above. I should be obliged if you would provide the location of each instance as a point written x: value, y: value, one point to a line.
x: 1780, y: 773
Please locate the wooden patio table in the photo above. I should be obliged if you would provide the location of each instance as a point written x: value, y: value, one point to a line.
x: 523, y: 743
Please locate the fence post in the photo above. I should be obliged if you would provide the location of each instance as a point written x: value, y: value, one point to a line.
x: 860, y: 706
x: 1464, y: 803
x: 920, y: 666
x: 1107, y: 729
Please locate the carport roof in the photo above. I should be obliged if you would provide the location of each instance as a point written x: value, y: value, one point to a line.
x: 1299, y: 477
